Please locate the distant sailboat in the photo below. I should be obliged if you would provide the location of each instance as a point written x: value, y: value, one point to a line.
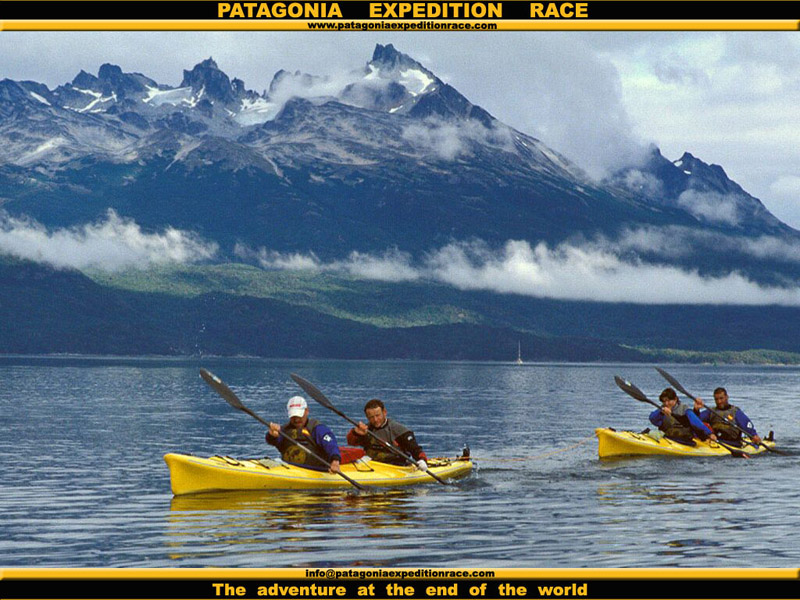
x: 519, y: 353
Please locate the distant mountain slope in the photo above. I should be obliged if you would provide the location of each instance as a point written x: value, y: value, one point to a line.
x: 48, y: 311
x: 65, y: 312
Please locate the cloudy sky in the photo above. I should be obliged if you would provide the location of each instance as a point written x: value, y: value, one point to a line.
x: 729, y: 98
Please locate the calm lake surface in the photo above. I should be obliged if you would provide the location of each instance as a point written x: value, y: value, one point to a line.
x: 84, y: 483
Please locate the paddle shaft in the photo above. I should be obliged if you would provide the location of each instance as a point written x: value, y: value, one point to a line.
x: 232, y: 399
x: 637, y: 394
x: 676, y: 384
x: 317, y: 395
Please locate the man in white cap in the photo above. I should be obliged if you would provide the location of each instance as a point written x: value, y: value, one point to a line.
x: 309, y: 434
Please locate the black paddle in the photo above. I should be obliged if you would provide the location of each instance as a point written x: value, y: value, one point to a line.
x: 674, y: 383
x: 637, y: 394
x: 312, y: 390
x: 232, y: 399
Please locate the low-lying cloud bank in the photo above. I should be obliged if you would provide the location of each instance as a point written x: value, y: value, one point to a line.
x: 111, y: 244
x: 569, y: 271
x: 590, y: 270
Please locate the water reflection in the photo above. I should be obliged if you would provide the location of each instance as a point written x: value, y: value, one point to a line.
x: 621, y: 494
x: 297, y: 521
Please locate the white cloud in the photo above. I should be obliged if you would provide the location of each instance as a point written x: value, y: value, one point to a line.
x: 711, y: 207
x: 392, y: 265
x: 591, y: 270
x: 271, y: 259
x: 450, y: 140
x: 784, y: 194
x: 112, y: 244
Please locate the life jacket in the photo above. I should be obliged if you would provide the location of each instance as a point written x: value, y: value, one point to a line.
x: 721, y: 422
x: 297, y: 455
x: 390, y: 431
x: 676, y: 426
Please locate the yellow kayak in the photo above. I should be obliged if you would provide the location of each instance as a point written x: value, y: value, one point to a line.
x: 612, y: 443
x: 192, y: 474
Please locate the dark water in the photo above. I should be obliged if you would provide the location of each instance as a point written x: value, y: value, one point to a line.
x: 84, y: 483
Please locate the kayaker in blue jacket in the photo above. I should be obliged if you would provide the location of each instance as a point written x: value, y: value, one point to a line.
x: 310, y: 434
x: 677, y: 421
x: 725, y: 417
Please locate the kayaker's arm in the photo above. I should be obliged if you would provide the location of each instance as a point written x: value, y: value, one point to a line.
x: 325, y: 439
x: 703, y: 415
x: 408, y: 444
x: 274, y: 437
x: 657, y: 417
x: 744, y: 422
x: 357, y: 436
x: 698, y: 426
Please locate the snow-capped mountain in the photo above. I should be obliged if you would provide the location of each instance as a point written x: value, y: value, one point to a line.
x: 386, y: 156
x: 702, y: 190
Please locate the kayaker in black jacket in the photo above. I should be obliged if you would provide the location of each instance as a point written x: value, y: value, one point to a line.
x: 309, y: 433
x: 391, y: 432
x: 726, y: 420
x: 677, y: 421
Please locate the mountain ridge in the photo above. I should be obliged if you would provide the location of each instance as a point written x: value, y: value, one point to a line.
x: 386, y: 159
x: 393, y: 111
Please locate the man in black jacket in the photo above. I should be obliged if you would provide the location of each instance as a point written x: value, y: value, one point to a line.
x: 393, y: 433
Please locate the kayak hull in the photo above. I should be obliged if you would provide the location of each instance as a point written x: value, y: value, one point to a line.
x: 193, y: 474
x: 612, y: 443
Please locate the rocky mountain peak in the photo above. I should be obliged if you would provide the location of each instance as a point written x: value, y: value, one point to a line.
x: 109, y: 72
x: 84, y: 80
x: 388, y: 57
x: 208, y: 77
x: 707, y: 177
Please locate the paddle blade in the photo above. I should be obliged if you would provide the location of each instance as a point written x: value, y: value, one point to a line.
x: 313, y: 391
x: 222, y: 389
x: 674, y: 383
x: 630, y: 389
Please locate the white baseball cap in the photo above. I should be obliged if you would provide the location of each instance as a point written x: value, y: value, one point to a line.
x: 296, y: 406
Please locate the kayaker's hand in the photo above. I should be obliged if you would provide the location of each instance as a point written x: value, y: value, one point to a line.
x: 666, y: 410
x: 274, y: 430
x: 713, y: 437
x: 361, y: 429
x: 756, y: 439
x: 698, y: 404
x: 422, y: 465
x: 335, y: 466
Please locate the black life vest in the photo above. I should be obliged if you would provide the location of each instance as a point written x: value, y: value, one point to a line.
x: 676, y: 426
x: 389, y: 432
x: 297, y: 455
x: 721, y: 422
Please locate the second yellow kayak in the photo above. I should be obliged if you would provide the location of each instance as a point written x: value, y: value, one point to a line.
x: 612, y: 443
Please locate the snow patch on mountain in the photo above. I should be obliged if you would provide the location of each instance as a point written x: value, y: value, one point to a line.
x: 39, y: 98
x: 256, y: 111
x: 175, y: 97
